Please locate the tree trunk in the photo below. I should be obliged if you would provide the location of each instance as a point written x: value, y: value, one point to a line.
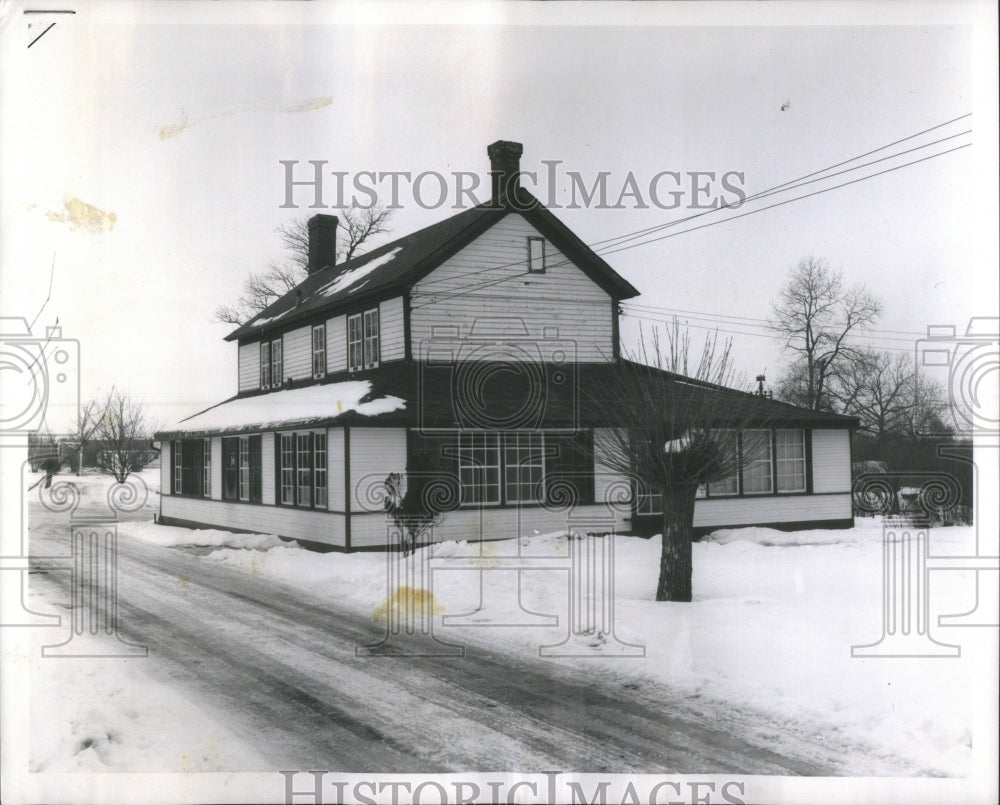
x: 675, y: 555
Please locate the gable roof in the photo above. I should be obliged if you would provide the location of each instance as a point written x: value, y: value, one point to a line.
x: 399, y: 264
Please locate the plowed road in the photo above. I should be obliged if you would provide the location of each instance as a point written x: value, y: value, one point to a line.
x: 282, y: 673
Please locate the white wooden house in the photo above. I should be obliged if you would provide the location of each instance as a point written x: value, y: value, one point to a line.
x: 478, y: 349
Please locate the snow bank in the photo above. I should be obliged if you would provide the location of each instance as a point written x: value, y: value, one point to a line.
x: 289, y: 407
x: 173, y: 537
x: 104, y: 714
x: 771, y: 627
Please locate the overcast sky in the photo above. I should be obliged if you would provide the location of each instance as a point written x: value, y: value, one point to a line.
x: 176, y: 127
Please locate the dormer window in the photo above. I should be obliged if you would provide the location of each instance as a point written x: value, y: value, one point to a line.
x: 363, y: 340
x: 536, y: 255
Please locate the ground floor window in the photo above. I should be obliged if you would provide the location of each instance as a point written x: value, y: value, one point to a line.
x: 790, y: 452
x: 241, y: 468
x: 302, y: 469
x: 499, y: 468
x: 192, y: 467
x: 767, y: 462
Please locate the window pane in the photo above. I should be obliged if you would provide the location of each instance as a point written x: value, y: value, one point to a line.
x: 524, y: 459
x: 276, y: 367
x: 756, y: 461
x: 287, y: 469
x: 319, y: 469
x: 206, y: 469
x: 265, y: 365
x: 728, y: 444
x: 479, y: 467
x: 244, y: 455
x: 791, y: 460
x: 371, y: 345
x: 354, y: 351
x: 319, y: 350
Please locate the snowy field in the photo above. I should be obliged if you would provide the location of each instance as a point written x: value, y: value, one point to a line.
x: 771, y: 629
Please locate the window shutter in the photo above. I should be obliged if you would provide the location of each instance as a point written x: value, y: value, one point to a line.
x: 256, y: 481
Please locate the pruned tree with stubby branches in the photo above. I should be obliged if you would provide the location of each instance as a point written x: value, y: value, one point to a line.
x: 357, y: 226
x: 815, y: 317
x: 683, y: 423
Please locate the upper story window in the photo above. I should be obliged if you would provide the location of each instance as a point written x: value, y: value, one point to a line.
x: 319, y: 351
x: 536, y: 255
x: 363, y: 340
x: 270, y: 364
x: 371, y: 350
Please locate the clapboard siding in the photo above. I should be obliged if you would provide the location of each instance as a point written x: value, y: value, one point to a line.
x: 336, y: 344
x: 215, y: 471
x: 297, y: 353
x: 249, y: 365
x: 375, y: 452
x: 335, y: 468
x: 166, y: 479
x: 831, y: 452
x: 392, y: 335
x: 559, y: 308
x: 316, y: 526
x: 771, y: 509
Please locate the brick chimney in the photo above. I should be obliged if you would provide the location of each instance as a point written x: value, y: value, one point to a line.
x: 322, y: 241
x: 505, y: 164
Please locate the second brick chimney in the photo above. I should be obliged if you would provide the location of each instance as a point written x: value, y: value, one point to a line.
x: 505, y: 165
x: 322, y: 241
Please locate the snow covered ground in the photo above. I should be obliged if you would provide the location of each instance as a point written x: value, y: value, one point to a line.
x: 770, y: 630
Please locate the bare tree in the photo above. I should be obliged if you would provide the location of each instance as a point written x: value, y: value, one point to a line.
x: 684, y: 432
x: 86, y: 425
x: 886, y: 392
x: 124, y: 431
x: 815, y: 316
x: 260, y: 289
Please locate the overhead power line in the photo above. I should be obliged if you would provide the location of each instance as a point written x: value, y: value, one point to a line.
x: 616, y: 242
x: 757, y: 322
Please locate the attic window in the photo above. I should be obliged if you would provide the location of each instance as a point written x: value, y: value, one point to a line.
x: 536, y: 255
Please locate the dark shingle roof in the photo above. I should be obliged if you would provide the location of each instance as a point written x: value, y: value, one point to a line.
x: 583, y: 395
x: 402, y: 262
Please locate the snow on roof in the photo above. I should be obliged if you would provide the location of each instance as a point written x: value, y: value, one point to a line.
x: 351, y: 276
x: 289, y: 407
